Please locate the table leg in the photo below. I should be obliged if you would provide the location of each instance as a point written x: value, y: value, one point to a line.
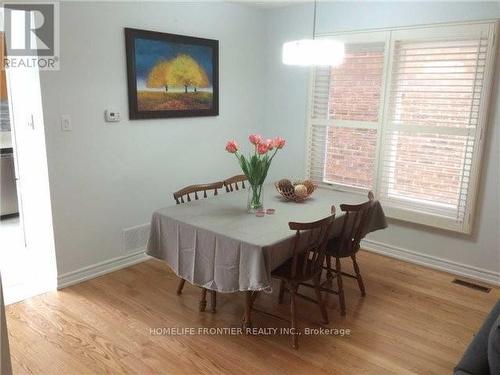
x: 247, y: 320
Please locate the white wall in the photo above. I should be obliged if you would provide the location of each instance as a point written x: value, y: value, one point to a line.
x: 286, y: 107
x: 105, y: 177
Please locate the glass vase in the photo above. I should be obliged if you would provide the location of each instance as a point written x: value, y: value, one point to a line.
x: 255, y: 198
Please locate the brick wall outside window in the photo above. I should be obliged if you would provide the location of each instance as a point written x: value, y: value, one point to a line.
x: 421, y: 171
x: 350, y: 156
x: 355, y: 89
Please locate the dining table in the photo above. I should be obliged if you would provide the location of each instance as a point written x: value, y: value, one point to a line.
x: 216, y: 244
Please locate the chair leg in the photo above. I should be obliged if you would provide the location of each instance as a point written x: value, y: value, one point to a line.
x: 282, y: 291
x: 329, y: 274
x: 180, y: 286
x: 321, y: 303
x: 358, y: 276
x: 213, y: 300
x: 340, y: 286
x: 295, y: 337
x: 203, y: 300
x: 247, y: 317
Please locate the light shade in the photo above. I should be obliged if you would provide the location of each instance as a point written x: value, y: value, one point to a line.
x: 313, y: 52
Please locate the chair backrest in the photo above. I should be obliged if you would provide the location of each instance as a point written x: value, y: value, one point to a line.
x: 354, y: 226
x: 231, y: 183
x: 309, y: 246
x: 184, y: 195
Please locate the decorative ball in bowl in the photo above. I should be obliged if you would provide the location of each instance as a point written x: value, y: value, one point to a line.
x: 298, y: 191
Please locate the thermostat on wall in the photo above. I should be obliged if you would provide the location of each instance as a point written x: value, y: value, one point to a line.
x: 112, y: 116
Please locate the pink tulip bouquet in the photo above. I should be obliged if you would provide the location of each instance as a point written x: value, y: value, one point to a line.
x: 256, y: 165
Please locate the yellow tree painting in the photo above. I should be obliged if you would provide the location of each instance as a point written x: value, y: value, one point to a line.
x: 171, y: 77
x: 180, y: 71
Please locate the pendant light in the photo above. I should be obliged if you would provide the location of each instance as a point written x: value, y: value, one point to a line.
x: 307, y: 52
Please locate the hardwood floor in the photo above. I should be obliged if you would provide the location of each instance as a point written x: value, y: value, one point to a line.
x: 413, y: 320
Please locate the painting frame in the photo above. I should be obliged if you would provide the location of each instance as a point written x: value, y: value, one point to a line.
x: 135, y: 113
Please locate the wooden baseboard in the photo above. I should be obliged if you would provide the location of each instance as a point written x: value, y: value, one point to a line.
x: 440, y: 264
x: 99, y: 269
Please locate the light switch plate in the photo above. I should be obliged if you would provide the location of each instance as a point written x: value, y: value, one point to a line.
x: 66, y: 123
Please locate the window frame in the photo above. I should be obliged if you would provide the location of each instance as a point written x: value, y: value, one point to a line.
x: 392, y: 208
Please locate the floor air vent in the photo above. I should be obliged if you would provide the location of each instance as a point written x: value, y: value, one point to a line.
x: 471, y: 285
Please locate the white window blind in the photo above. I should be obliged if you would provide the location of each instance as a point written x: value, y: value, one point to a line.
x: 409, y: 125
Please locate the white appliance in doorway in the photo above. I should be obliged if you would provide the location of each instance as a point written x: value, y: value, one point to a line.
x: 8, y: 190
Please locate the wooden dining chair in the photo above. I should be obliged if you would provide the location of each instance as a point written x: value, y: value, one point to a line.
x: 347, y: 244
x: 231, y: 183
x: 193, y: 191
x: 186, y: 195
x: 309, y: 251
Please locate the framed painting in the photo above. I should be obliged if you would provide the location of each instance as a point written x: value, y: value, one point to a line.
x: 171, y: 75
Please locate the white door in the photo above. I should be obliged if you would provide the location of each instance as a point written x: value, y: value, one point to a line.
x: 32, y: 175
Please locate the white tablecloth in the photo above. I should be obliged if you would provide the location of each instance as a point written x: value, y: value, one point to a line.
x: 216, y: 244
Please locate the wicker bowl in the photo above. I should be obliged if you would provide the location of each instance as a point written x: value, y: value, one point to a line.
x: 289, y: 192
